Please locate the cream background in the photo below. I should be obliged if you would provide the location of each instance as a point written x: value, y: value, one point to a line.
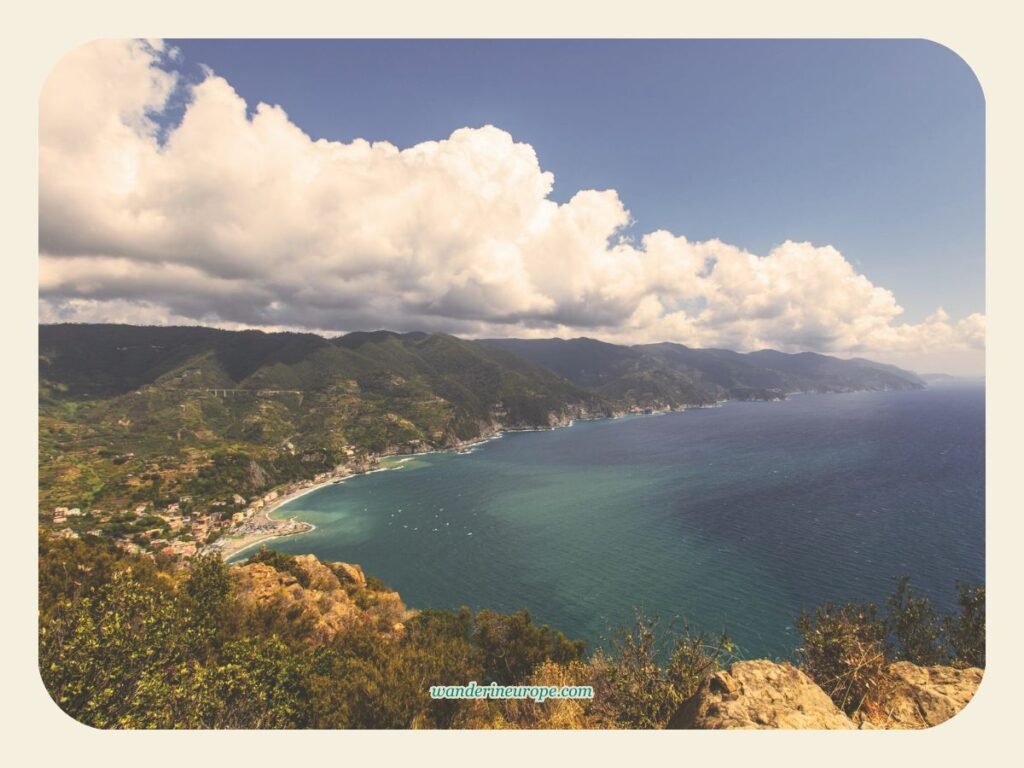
x: 984, y: 34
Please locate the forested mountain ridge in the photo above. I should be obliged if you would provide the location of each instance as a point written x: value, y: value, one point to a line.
x: 134, y: 414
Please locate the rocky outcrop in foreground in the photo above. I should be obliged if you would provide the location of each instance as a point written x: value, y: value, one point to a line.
x: 318, y: 600
x: 920, y: 697
x: 322, y: 598
x: 760, y: 694
x: 763, y: 694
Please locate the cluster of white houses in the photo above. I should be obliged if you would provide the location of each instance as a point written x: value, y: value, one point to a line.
x: 185, y: 530
x: 182, y: 533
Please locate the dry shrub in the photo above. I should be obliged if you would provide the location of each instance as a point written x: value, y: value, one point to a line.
x: 844, y: 653
x: 564, y: 714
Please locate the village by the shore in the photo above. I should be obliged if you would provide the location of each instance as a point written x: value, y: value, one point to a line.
x: 257, y: 526
x: 227, y: 526
x: 185, y: 528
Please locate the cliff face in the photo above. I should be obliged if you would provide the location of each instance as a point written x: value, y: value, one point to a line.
x: 763, y: 694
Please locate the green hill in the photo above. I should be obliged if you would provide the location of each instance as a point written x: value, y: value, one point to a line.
x: 131, y: 414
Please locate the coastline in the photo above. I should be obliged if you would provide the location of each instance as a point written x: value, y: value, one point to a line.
x: 232, y: 547
x: 228, y: 547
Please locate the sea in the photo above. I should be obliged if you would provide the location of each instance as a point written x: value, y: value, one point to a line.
x: 734, y: 518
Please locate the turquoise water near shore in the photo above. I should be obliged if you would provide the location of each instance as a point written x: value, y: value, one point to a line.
x: 727, y: 518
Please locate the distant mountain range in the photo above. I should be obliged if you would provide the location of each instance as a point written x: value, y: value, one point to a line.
x: 945, y: 378
x: 130, y: 412
x: 671, y: 375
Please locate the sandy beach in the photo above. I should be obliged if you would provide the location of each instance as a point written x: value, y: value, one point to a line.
x: 263, y: 527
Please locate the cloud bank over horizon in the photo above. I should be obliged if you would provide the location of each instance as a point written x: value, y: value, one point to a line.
x: 236, y: 218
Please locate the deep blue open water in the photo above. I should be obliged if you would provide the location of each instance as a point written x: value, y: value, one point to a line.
x: 726, y: 518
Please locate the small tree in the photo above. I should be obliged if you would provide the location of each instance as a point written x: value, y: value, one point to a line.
x: 632, y: 690
x: 916, y: 627
x: 966, y: 632
x: 94, y: 651
x: 695, y: 657
x: 512, y: 646
x: 261, y: 683
x: 211, y: 612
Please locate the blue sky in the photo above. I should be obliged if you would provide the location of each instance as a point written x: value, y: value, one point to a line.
x: 873, y: 146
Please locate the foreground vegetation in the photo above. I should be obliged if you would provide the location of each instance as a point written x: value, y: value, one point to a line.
x: 129, y: 641
x: 847, y: 648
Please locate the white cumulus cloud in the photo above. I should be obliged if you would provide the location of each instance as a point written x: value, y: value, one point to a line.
x: 240, y: 219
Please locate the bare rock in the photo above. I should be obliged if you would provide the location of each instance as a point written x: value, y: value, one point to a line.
x: 320, y: 576
x: 760, y: 694
x: 257, y: 475
x: 350, y: 573
x: 921, y: 697
x: 262, y: 584
x: 324, y: 609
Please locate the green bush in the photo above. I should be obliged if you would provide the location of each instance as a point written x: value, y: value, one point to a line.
x: 362, y: 681
x: 916, y: 627
x: 631, y: 688
x: 512, y: 646
x: 128, y: 643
